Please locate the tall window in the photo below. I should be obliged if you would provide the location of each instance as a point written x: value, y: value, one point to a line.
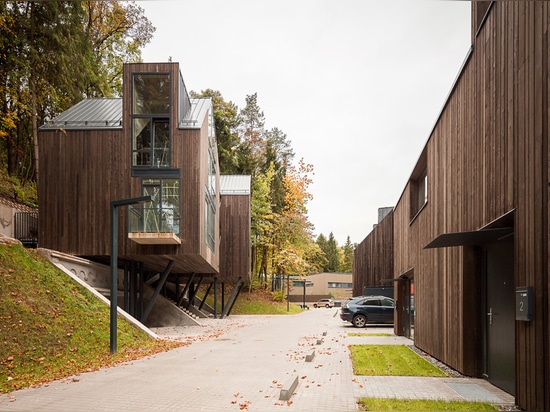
x: 151, y: 120
x: 162, y: 215
x: 210, y: 203
x: 419, y: 186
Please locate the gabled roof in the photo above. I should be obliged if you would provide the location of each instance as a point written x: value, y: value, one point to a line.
x: 235, y: 184
x: 105, y: 113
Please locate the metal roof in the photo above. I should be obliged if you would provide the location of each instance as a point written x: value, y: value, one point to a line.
x: 235, y: 184
x: 87, y: 114
x: 195, y: 116
x: 106, y: 113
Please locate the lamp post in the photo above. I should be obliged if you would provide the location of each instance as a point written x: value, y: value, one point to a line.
x: 114, y: 262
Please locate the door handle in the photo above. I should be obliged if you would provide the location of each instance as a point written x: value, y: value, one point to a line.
x: 490, y: 314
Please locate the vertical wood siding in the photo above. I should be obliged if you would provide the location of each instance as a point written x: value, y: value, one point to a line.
x: 373, y: 258
x: 235, y: 238
x: 487, y: 155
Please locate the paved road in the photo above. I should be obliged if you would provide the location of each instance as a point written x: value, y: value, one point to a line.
x: 242, y: 363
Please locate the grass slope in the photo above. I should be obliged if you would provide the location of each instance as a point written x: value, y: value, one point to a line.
x: 54, y: 328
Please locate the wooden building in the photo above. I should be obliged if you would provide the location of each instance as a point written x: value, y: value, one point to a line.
x: 155, y: 141
x: 471, y: 226
x: 235, y: 227
x: 373, y: 257
x: 470, y: 229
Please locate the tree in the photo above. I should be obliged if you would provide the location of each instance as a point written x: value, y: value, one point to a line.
x: 252, y: 149
x: 279, y: 153
x: 292, y: 234
x: 117, y: 31
x: 227, y: 123
x: 53, y: 54
x: 332, y: 253
x: 261, y: 222
x: 347, y: 259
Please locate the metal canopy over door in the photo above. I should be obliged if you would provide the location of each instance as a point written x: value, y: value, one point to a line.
x: 499, y: 326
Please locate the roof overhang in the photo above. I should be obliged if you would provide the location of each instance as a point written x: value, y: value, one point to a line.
x: 475, y: 237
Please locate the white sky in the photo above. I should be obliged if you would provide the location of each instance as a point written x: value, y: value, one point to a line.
x: 356, y: 85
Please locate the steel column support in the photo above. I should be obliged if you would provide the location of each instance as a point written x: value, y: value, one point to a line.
x: 160, y: 285
x: 194, y: 292
x: 215, y: 297
x: 232, y: 298
x: 180, y: 299
x: 205, y: 295
x: 125, y: 283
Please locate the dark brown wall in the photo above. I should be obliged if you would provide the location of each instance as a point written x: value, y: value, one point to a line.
x: 83, y: 171
x: 487, y: 155
x: 373, y: 257
x: 235, y: 238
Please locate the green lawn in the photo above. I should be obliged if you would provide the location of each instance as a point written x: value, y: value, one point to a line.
x: 390, y: 360
x: 379, y: 404
x: 399, y: 360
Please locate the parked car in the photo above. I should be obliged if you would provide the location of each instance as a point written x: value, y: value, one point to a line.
x: 368, y: 309
x: 327, y: 303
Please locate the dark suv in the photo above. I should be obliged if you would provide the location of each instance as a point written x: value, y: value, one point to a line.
x: 368, y: 309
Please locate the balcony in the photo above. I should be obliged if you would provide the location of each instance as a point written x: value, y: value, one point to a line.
x: 154, y: 225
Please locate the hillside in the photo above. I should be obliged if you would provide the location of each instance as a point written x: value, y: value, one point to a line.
x: 52, y: 327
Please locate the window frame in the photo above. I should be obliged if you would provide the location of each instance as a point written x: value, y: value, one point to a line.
x: 151, y: 121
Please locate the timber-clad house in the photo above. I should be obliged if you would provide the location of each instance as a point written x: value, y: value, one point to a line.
x: 470, y: 230
x: 154, y: 141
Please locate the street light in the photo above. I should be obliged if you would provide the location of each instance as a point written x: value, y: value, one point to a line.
x: 114, y: 261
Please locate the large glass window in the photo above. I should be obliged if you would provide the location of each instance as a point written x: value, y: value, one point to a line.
x: 162, y: 214
x: 210, y: 204
x: 151, y: 93
x: 151, y: 120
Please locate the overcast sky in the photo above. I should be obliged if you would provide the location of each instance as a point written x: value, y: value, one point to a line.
x: 356, y: 85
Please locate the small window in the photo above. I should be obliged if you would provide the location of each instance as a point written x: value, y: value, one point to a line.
x: 422, y: 189
x: 418, y: 186
x: 371, y: 302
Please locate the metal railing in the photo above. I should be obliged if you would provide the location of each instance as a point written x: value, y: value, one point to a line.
x: 26, y: 228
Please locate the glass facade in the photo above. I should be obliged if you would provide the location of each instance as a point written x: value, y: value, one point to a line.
x: 162, y: 214
x: 151, y: 145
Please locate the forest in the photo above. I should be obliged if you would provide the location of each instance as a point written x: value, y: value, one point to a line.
x: 55, y: 53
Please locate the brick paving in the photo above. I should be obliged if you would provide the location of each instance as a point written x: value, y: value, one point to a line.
x: 241, y: 363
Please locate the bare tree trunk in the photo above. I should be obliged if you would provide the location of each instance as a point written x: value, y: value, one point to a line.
x: 34, y: 123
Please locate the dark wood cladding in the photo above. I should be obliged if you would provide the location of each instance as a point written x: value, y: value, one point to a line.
x: 487, y: 156
x: 235, y: 238
x: 373, y: 258
x: 82, y: 171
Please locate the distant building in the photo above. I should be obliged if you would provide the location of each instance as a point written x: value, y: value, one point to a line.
x: 322, y: 285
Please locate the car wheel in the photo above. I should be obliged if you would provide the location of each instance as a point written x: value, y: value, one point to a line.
x: 359, y: 321
x: 315, y: 305
x: 327, y: 306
